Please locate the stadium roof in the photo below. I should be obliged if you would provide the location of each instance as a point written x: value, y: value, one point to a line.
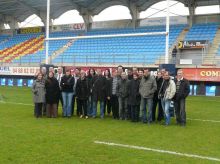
x: 21, y: 9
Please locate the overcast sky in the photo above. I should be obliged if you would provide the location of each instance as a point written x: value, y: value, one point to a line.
x: 122, y: 12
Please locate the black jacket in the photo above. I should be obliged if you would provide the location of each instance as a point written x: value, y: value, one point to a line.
x: 159, y: 83
x: 122, y: 88
x: 52, y: 90
x: 184, y: 89
x: 134, y: 96
x: 82, y: 89
x: 67, y: 83
x: 99, y: 88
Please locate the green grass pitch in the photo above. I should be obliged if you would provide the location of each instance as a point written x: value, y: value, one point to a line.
x: 26, y: 140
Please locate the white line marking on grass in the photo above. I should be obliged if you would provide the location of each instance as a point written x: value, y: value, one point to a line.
x: 214, y: 121
x: 158, y: 150
x: 4, y: 102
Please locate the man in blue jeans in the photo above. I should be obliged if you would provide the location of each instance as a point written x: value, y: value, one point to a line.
x: 166, y: 94
x: 98, y: 93
x: 147, y: 88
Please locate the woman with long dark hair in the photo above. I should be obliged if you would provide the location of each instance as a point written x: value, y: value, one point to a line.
x: 91, y: 75
x: 107, y: 102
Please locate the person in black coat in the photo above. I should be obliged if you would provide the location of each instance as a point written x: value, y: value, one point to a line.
x: 156, y: 100
x: 108, y: 92
x: 82, y: 94
x: 182, y: 91
x: 134, y: 97
x: 90, y: 77
x: 52, y: 95
x: 98, y: 92
x: 67, y: 83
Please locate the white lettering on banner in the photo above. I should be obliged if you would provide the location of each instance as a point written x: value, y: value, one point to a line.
x: 23, y: 71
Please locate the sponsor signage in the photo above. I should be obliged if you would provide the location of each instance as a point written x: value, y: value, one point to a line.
x: 23, y: 71
x: 30, y: 30
x: 202, y: 74
x: 69, y: 27
x: 199, y: 44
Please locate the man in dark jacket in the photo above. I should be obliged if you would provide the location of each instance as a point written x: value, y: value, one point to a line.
x: 147, y: 88
x: 82, y: 94
x: 99, y: 92
x: 157, y: 100
x: 134, y: 97
x: 122, y: 92
x: 182, y: 91
x: 67, y: 83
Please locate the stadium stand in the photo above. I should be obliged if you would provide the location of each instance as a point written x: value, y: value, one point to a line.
x: 202, y: 32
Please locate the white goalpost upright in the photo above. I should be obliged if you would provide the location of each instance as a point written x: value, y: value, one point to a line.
x: 166, y: 33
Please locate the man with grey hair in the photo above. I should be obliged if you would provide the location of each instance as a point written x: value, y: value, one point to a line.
x: 182, y: 91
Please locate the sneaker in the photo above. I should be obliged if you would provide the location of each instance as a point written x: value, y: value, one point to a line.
x: 81, y: 116
x: 87, y: 117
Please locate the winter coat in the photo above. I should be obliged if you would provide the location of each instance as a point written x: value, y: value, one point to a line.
x: 52, y: 90
x: 67, y: 83
x: 170, y: 90
x: 184, y: 89
x: 148, y: 87
x: 122, y: 88
x: 134, y: 96
x: 82, y: 89
x: 99, y: 88
x: 108, y: 87
x: 39, y: 91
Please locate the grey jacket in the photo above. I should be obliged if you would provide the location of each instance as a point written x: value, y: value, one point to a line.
x: 39, y: 91
x: 147, y: 87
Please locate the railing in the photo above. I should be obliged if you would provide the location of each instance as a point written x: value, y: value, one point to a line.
x: 143, y: 59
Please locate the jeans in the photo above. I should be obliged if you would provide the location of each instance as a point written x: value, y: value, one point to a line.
x: 146, y: 116
x: 82, y: 107
x: 123, y: 108
x: 90, y: 106
x: 166, y: 108
x: 115, y: 106
x: 67, y: 103
x: 135, y: 113
x: 95, y: 108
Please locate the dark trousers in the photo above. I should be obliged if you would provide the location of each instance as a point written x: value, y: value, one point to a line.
x: 115, y: 106
x: 107, y: 104
x: 135, y: 112
x: 78, y: 107
x: 82, y: 107
x: 180, y: 111
x: 157, y: 102
x: 61, y: 100
x: 52, y: 110
x: 73, y: 104
x: 129, y: 108
x: 38, y: 109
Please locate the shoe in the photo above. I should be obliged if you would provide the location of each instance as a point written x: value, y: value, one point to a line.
x: 87, y: 117
x: 81, y: 116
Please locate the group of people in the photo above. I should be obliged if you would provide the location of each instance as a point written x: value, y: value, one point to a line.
x: 132, y: 95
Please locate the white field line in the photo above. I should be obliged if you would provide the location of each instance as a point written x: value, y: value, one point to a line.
x: 4, y: 102
x: 158, y: 151
x: 214, y: 121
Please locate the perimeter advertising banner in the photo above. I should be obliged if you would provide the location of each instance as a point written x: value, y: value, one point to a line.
x: 23, y: 71
x: 69, y: 27
x: 202, y: 74
x: 195, y: 44
x: 30, y: 30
